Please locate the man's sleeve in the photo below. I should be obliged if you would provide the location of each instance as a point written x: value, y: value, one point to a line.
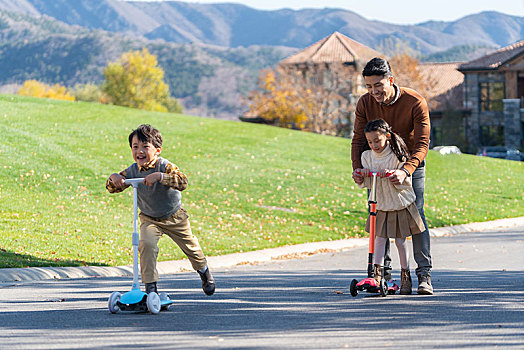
x: 359, y: 138
x: 421, y: 133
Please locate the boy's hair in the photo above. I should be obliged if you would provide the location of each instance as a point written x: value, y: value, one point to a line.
x: 146, y: 133
x: 397, y: 144
x: 377, y: 66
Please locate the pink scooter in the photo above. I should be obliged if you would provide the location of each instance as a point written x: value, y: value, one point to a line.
x: 370, y: 284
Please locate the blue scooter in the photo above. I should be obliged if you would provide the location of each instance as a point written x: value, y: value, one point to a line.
x: 136, y: 300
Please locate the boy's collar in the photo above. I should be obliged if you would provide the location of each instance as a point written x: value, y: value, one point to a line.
x: 149, y: 165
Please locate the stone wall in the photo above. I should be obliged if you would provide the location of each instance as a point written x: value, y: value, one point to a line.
x: 512, y: 123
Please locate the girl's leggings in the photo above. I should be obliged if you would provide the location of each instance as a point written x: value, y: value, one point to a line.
x: 380, y: 251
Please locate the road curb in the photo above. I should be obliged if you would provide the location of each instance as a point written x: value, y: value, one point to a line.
x: 224, y: 261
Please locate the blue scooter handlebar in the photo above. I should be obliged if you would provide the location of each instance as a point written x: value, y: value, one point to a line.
x: 133, y: 182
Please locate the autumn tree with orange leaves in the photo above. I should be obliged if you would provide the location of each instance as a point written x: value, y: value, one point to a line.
x: 312, y: 98
x: 407, y: 73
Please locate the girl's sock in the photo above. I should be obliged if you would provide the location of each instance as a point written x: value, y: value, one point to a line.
x: 380, y: 250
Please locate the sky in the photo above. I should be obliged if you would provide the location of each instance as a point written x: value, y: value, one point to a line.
x: 393, y: 11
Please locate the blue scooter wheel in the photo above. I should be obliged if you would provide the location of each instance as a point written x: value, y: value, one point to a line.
x: 153, y: 303
x: 112, y: 302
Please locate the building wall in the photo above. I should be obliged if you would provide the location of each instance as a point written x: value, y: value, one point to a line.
x: 479, y: 120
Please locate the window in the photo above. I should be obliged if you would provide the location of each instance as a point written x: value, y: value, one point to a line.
x: 491, y: 95
x: 492, y: 135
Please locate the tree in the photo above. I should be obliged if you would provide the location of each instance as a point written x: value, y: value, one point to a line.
x: 407, y: 73
x: 88, y: 93
x: 279, y: 101
x: 312, y: 98
x: 35, y: 88
x: 136, y: 80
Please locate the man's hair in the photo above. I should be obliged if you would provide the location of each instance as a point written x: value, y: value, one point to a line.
x: 146, y: 133
x: 377, y: 66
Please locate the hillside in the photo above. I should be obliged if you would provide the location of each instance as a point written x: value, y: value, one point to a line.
x: 250, y: 186
x: 211, y: 53
x: 233, y: 25
x: 210, y: 81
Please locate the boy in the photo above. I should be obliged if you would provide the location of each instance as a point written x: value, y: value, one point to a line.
x: 160, y: 204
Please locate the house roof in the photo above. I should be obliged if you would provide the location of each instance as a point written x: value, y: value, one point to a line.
x: 445, y: 75
x: 336, y: 48
x: 496, y: 59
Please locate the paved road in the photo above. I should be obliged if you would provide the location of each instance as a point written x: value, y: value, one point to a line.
x: 302, y: 303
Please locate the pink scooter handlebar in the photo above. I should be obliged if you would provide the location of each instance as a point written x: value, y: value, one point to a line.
x: 375, y: 173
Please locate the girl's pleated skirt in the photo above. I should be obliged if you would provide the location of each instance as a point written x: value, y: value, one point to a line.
x: 398, y: 224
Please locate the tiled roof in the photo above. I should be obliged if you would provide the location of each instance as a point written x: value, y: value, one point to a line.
x: 494, y: 60
x: 333, y: 49
x: 446, y: 85
x: 445, y: 75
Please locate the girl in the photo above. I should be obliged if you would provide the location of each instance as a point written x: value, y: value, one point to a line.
x: 397, y: 215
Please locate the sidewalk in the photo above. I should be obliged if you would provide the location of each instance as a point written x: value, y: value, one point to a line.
x: 254, y: 257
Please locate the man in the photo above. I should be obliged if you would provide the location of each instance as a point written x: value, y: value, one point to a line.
x: 407, y: 113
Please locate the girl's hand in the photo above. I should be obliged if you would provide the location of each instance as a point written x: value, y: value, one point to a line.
x: 365, y: 172
x: 153, y: 178
x: 358, y: 177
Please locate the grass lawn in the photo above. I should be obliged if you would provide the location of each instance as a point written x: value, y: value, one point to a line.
x: 250, y: 186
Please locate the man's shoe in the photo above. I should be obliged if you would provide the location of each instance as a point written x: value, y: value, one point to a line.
x: 151, y: 287
x: 424, y: 285
x: 208, y: 282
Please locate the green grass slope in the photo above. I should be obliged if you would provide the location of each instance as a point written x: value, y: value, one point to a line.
x: 250, y: 186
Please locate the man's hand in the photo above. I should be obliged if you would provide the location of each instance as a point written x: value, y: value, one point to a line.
x: 397, y: 177
x: 153, y: 178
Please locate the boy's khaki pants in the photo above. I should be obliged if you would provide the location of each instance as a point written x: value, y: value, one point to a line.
x: 178, y: 229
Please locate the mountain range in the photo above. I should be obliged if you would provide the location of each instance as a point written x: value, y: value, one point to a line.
x: 211, y: 53
x: 233, y: 25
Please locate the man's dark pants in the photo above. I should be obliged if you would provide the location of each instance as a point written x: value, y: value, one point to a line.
x: 421, y: 241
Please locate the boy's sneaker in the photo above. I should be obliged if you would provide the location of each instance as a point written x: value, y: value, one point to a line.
x: 424, y: 285
x: 151, y: 287
x: 208, y: 282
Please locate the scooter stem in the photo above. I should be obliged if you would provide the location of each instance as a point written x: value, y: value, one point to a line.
x: 136, y: 239
x: 372, y: 222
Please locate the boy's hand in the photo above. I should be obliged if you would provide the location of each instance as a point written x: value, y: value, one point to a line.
x: 153, y: 178
x: 117, y: 181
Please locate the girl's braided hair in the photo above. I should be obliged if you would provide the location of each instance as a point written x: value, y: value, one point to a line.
x: 397, y: 144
